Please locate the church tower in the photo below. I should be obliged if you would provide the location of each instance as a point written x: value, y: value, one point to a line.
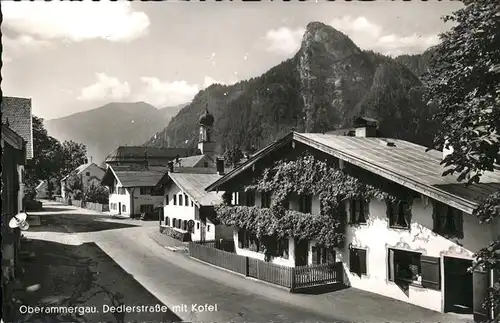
x: 205, y: 143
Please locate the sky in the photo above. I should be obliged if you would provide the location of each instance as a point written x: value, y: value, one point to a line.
x: 75, y: 56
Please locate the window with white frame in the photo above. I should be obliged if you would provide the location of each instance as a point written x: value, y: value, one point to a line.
x: 399, y: 214
x: 248, y: 240
x: 357, y: 261
x: 405, y: 266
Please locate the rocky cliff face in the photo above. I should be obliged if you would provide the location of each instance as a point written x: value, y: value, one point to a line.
x: 327, y: 83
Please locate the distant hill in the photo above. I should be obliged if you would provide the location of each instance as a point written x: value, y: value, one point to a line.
x: 328, y: 82
x: 112, y: 125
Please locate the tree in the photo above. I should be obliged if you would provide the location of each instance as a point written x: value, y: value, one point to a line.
x: 97, y: 194
x: 73, y: 154
x: 74, y: 186
x: 52, y: 160
x: 232, y: 156
x: 46, y: 159
x: 464, y: 81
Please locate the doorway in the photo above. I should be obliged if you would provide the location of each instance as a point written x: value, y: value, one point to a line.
x: 458, y: 286
x: 119, y: 207
x: 301, y: 252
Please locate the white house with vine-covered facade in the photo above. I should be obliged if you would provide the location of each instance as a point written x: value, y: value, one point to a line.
x: 414, y: 244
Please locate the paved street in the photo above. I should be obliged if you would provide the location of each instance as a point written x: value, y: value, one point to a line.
x: 175, y: 279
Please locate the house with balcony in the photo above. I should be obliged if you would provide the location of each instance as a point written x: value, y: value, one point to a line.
x: 89, y: 173
x: 131, y: 189
x: 189, y: 209
x: 415, y: 248
x: 17, y: 152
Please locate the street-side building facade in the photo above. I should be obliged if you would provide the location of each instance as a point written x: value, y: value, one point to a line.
x: 415, y: 250
x: 185, y: 201
x: 131, y: 189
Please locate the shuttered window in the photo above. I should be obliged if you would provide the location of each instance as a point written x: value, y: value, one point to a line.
x: 358, y: 211
x: 322, y: 255
x: 404, y: 266
x: 357, y: 261
x: 399, y: 214
x: 431, y: 272
x: 305, y: 205
x: 282, y: 248
x: 247, y: 240
x: 265, y: 199
x: 448, y: 221
x: 250, y: 198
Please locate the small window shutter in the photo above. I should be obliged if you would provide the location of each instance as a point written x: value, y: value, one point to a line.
x: 366, y: 209
x: 431, y: 272
x: 352, y: 260
x: 391, y: 264
x: 459, y: 225
x: 480, y: 283
x: 362, y: 261
x: 388, y: 211
x: 407, y: 212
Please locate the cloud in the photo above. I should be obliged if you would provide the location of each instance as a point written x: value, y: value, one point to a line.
x: 106, y: 88
x: 368, y: 35
x: 284, y: 41
x: 75, y: 21
x: 160, y: 93
x: 364, y: 33
x: 23, y: 43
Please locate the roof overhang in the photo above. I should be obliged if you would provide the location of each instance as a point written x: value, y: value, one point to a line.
x: 12, y: 138
x: 425, y: 189
x: 109, y: 175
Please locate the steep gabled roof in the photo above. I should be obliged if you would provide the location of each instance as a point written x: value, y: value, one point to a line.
x: 134, y: 177
x: 80, y: 169
x: 402, y: 162
x: 17, y: 113
x: 194, y: 184
x: 195, y: 161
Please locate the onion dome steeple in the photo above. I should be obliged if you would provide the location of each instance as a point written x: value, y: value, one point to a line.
x: 206, y: 119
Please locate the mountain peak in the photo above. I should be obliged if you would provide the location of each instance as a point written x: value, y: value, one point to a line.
x: 318, y: 33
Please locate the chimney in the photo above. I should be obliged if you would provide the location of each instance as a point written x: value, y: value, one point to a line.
x: 365, y: 127
x: 220, y: 166
x: 171, y: 166
x: 90, y: 159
